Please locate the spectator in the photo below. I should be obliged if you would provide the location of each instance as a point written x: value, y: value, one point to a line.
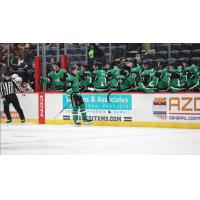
x: 50, y: 65
x: 95, y: 53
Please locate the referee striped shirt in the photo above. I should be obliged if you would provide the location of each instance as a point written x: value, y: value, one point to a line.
x: 8, y: 87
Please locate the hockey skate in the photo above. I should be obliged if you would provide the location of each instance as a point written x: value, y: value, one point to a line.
x: 9, y: 121
x: 23, y: 121
x: 87, y: 121
x: 77, y: 123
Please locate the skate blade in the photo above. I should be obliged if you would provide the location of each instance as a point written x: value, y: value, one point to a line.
x: 77, y: 125
x: 87, y: 123
x: 9, y: 124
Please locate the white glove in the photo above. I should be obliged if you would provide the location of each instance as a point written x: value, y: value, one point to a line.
x: 91, y: 89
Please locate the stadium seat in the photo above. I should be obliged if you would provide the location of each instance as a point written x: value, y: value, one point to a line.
x: 70, y: 51
x: 196, y: 60
x: 186, y: 53
x: 76, y: 45
x: 185, y: 46
x: 77, y: 51
x: 106, y: 50
x: 102, y: 48
x: 104, y: 44
x: 162, y: 47
x: 33, y: 45
x: 148, y: 60
x: 175, y: 46
x: 118, y: 52
x: 149, y: 55
x: 195, y: 53
x: 184, y: 59
x: 172, y: 60
x: 52, y: 51
x: 117, y: 44
x: 82, y: 45
x: 162, y: 55
x: 82, y: 58
x: 61, y: 51
x: 158, y: 60
x: 174, y: 53
x: 195, y: 46
x: 83, y: 52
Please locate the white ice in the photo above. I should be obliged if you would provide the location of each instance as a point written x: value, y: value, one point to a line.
x: 66, y: 139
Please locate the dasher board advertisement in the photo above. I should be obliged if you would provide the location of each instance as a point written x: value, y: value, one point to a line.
x: 167, y: 107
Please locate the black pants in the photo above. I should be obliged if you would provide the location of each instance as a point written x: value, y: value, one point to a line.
x: 12, y: 98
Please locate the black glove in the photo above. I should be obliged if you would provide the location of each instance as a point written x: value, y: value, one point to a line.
x: 94, y: 77
x: 176, y: 76
x: 76, y: 99
x: 158, y: 74
x: 133, y: 85
x: 109, y: 76
x: 188, y: 73
x: 83, y: 76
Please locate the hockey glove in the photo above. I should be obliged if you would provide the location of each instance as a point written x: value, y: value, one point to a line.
x: 41, y: 81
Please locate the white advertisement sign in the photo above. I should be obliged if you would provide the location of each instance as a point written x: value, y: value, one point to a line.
x: 29, y: 105
x: 120, y: 107
x: 163, y: 107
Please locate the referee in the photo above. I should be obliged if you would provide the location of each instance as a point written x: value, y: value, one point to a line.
x: 7, y: 91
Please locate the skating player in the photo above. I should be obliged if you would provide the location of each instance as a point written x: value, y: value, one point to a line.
x: 73, y: 90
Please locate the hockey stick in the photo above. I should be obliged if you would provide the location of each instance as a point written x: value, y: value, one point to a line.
x: 62, y: 110
x: 108, y: 96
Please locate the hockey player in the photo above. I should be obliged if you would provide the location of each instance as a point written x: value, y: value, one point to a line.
x: 99, y: 79
x: 148, y: 81
x: 192, y: 77
x: 112, y: 77
x: 177, y: 83
x: 135, y: 73
x: 56, y: 77
x: 126, y: 81
x: 163, y: 78
x: 85, y: 78
x: 73, y: 83
x: 136, y: 69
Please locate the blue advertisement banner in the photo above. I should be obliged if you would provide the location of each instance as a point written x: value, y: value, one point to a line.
x: 99, y: 101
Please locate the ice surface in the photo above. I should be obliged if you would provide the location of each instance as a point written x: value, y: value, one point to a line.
x: 66, y: 139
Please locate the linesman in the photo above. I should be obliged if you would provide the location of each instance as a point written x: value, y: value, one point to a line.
x: 7, y: 92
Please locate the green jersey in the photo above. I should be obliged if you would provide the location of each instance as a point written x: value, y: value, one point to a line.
x: 126, y: 81
x: 163, y: 79
x: 176, y: 80
x: 100, y: 82
x: 85, y: 79
x: 148, y: 81
x: 113, y: 76
x: 73, y: 84
x: 192, y: 77
x: 136, y: 72
x: 56, y: 78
